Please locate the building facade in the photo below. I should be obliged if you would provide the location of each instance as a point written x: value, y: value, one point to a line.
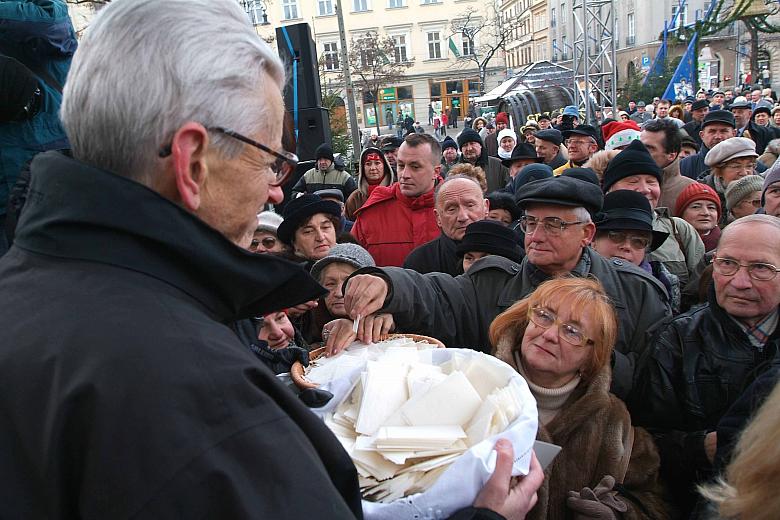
x: 528, y: 42
x: 441, y: 72
x: 639, y: 28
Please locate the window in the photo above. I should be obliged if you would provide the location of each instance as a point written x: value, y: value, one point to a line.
x: 290, y: 8
x: 563, y: 13
x: 468, y: 46
x: 564, y: 48
x: 256, y: 12
x: 366, y: 55
x: 434, y: 45
x: 553, y: 20
x: 683, y: 18
x: 425, y: 2
x: 395, y: 3
x: 325, y: 7
x: 555, y: 49
x: 359, y: 5
x: 400, y: 48
x: 631, y: 37
x: 331, y: 55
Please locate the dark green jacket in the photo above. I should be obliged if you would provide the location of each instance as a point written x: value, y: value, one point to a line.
x: 459, y: 310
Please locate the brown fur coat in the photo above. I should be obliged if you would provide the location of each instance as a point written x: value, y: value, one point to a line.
x: 591, y: 428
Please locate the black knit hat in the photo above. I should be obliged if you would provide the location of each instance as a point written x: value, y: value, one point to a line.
x: 489, y: 236
x: 469, y: 136
x: 627, y: 210
x: 297, y: 211
x: 505, y: 201
x: 323, y: 151
x: 633, y: 160
x: 522, y: 151
x: 391, y: 143
x: 448, y: 142
x: 699, y: 103
x: 17, y: 94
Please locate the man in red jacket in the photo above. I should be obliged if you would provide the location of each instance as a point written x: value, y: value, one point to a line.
x: 395, y: 219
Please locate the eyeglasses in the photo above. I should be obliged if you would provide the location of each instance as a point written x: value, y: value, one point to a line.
x: 756, y: 270
x: 756, y: 203
x: 268, y: 243
x: 635, y: 241
x: 750, y: 165
x: 282, y: 168
x: 553, y: 226
x: 545, y: 319
x: 579, y: 142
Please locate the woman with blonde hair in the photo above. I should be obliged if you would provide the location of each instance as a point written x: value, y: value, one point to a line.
x: 749, y: 489
x: 560, y: 339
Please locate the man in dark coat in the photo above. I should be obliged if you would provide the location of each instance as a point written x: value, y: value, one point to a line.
x: 459, y: 202
x: 699, y: 110
x: 718, y: 125
x: 702, y: 360
x: 472, y: 151
x: 743, y: 111
x: 548, y: 147
x: 136, y: 399
x: 459, y: 310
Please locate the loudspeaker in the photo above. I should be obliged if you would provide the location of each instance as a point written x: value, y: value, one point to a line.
x: 313, y: 130
x: 298, y: 52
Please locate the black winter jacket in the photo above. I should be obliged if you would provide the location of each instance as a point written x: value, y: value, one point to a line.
x: 699, y: 364
x: 135, y: 399
x: 437, y: 256
x: 459, y: 310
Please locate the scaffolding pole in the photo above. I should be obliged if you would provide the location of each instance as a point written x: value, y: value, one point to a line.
x: 594, y: 57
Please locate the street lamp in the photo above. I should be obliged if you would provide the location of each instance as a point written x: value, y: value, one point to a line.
x: 256, y: 11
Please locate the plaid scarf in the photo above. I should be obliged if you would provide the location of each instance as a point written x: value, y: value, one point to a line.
x: 759, y: 333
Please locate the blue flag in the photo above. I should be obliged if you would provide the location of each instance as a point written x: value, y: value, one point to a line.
x: 681, y: 85
x: 657, y: 68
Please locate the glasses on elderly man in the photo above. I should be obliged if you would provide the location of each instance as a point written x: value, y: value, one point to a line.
x: 282, y: 168
x: 552, y: 225
x: 569, y: 332
x: 756, y: 270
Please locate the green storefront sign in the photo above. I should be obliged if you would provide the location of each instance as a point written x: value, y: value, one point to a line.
x: 387, y: 94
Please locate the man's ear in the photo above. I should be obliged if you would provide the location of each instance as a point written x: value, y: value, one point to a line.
x: 188, y: 156
x: 588, y: 233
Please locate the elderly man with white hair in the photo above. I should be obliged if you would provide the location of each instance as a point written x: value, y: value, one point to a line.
x: 127, y: 393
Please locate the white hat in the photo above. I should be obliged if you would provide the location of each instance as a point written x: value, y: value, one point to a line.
x: 506, y: 132
x: 268, y: 221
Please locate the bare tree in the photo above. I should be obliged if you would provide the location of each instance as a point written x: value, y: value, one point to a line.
x: 484, y: 34
x: 376, y: 63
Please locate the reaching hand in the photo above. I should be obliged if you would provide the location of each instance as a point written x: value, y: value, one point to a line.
x: 338, y: 334
x: 301, y: 309
x: 511, y: 502
x: 365, y: 295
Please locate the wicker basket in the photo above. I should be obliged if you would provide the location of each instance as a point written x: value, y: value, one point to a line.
x: 298, y: 372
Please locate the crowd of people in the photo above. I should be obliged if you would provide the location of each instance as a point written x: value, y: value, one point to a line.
x: 626, y: 267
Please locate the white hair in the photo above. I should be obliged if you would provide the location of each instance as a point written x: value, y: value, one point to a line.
x: 582, y: 214
x: 146, y: 67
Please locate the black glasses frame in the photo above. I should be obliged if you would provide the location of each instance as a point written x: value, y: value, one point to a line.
x: 283, y: 166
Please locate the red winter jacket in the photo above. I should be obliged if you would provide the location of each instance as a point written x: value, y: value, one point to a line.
x: 389, y: 225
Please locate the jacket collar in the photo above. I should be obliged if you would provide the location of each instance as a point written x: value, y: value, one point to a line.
x: 672, y: 171
x: 80, y: 212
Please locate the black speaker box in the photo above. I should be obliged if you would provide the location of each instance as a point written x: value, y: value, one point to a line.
x: 313, y: 130
x: 299, y: 54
